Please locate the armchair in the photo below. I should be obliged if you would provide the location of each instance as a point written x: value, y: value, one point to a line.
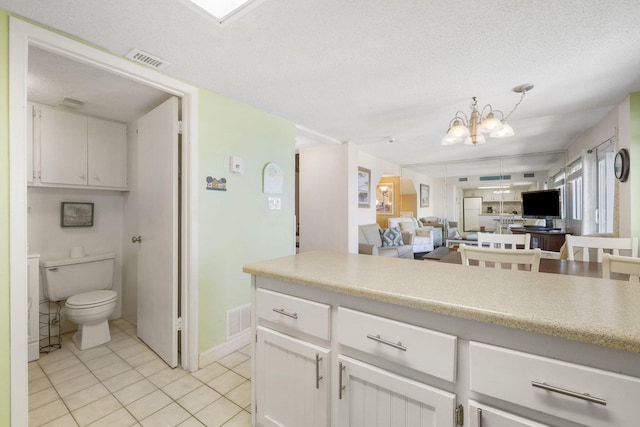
x: 425, y: 238
x: 370, y: 243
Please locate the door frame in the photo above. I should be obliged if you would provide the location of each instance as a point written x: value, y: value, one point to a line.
x: 21, y: 36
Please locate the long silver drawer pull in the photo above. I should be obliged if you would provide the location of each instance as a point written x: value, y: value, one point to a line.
x: 479, y: 414
x: 341, y: 368
x: 397, y: 345
x: 318, y: 376
x: 583, y: 396
x: 286, y: 313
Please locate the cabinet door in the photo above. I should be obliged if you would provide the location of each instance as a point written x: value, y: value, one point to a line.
x: 486, y: 416
x: 107, y: 153
x: 291, y: 381
x: 63, y: 147
x: 30, y: 143
x: 370, y: 396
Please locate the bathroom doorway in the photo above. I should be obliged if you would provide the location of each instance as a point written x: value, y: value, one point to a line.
x: 22, y: 37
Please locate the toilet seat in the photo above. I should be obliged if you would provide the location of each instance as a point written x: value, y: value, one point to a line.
x: 91, y: 299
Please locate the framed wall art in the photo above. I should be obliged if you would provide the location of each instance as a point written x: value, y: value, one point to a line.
x: 384, y: 198
x: 364, y: 187
x: 74, y: 214
x: 424, y: 196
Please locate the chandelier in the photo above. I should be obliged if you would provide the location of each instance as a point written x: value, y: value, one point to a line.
x: 471, y: 130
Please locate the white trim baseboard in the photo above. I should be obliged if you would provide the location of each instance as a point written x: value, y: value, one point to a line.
x: 224, y: 349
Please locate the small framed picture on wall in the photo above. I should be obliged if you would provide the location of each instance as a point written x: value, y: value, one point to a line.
x: 364, y: 187
x: 73, y: 214
x: 424, y: 196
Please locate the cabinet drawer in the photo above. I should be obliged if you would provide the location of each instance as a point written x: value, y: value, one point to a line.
x: 486, y: 416
x: 427, y: 351
x: 293, y: 313
x: 574, y: 392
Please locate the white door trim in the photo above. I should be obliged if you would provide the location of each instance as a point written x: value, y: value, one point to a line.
x: 21, y: 36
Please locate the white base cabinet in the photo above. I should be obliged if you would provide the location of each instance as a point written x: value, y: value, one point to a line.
x: 486, y: 416
x: 291, y: 381
x: 330, y: 359
x: 370, y: 396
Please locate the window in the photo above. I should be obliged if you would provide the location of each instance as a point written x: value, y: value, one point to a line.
x: 606, y: 188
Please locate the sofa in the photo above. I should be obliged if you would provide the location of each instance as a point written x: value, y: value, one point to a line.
x: 370, y: 242
x: 425, y: 238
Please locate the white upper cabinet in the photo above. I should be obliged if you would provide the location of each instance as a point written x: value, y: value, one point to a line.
x: 78, y: 151
x: 63, y: 147
x: 107, y: 153
x: 30, y: 143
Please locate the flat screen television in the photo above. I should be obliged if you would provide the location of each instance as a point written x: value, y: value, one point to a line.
x: 543, y: 204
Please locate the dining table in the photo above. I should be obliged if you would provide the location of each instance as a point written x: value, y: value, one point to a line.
x: 554, y: 265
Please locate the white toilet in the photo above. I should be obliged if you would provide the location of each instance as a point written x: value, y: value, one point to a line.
x: 85, y: 283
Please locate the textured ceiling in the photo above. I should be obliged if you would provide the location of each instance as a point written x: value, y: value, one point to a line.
x: 367, y: 70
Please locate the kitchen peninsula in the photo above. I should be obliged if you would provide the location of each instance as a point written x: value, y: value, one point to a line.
x: 336, y: 332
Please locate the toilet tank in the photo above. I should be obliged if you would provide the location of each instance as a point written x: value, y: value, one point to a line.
x: 63, y: 278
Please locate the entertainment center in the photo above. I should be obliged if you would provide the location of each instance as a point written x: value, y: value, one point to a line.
x: 545, y: 240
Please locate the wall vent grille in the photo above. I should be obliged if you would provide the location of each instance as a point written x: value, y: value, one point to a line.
x: 238, y: 320
x: 147, y: 59
x: 463, y: 179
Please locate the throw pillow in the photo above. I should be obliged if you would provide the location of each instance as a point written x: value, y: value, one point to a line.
x: 391, y: 236
x: 407, y: 226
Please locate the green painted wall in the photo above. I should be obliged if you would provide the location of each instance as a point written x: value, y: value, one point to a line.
x: 5, y: 357
x: 236, y: 226
x: 634, y: 171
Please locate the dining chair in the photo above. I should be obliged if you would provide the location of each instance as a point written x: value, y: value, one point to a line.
x: 599, y: 244
x: 504, y: 241
x: 621, y: 264
x: 501, y: 258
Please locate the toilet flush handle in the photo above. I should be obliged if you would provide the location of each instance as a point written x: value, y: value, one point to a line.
x: 135, y: 239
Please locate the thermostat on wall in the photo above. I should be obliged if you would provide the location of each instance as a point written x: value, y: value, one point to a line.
x: 234, y: 164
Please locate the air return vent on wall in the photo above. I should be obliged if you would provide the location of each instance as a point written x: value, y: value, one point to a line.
x: 147, y: 59
x: 238, y: 320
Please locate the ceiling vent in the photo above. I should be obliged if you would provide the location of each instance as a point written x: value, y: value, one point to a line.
x: 71, y: 103
x: 147, y: 59
x: 529, y: 175
x: 463, y: 179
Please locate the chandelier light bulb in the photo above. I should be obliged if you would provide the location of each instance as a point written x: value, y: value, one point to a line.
x: 458, y: 130
x: 505, y: 132
x: 490, y: 124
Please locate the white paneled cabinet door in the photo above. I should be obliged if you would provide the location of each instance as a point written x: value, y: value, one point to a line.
x: 30, y: 143
x: 486, y: 416
x: 292, y: 378
x: 63, y: 147
x: 370, y: 396
x: 107, y: 153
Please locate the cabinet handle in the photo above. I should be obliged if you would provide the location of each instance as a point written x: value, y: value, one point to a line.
x: 397, y: 345
x: 479, y: 415
x: 578, y: 395
x: 285, y: 313
x: 341, y: 368
x: 318, y: 376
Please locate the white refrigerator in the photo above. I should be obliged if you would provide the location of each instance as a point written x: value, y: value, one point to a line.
x: 471, y: 207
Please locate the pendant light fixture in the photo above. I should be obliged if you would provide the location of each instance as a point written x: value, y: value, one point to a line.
x: 471, y: 130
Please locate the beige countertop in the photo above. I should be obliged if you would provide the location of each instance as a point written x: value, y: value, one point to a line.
x: 596, y: 311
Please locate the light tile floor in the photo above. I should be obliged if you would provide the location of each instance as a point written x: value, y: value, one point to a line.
x: 124, y: 383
